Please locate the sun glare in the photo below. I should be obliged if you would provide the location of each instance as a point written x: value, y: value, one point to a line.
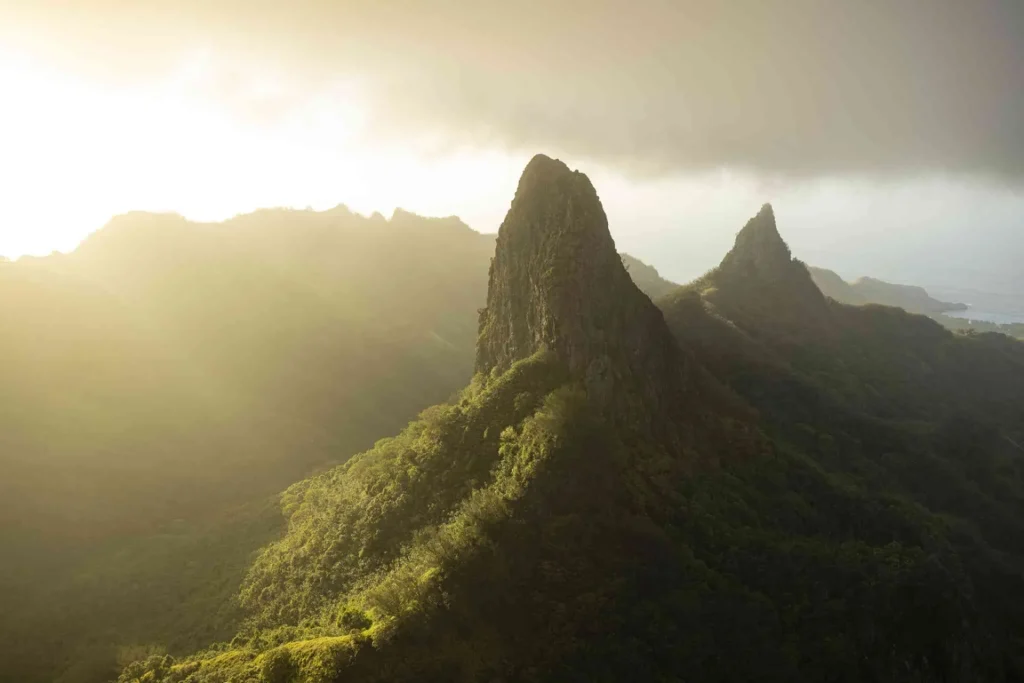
x: 209, y: 140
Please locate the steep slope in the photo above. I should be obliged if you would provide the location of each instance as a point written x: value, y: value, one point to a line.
x: 569, y: 520
x: 557, y: 284
x: 760, y: 284
x: 168, y: 375
x: 896, y: 406
x: 883, y: 360
x: 404, y: 543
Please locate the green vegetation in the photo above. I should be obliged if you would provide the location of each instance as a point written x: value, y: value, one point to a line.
x: 167, y: 378
x: 747, y: 482
x: 858, y: 520
x: 164, y: 381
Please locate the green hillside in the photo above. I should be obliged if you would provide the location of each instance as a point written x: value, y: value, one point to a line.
x: 168, y: 378
x: 162, y: 382
x: 751, y: 483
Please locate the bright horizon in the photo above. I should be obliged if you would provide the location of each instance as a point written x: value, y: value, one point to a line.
x: 78, y: 152
x: 208, y: 127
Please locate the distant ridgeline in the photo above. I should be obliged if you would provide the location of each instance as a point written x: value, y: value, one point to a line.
x: 750, y: 481
x: 868, y: 290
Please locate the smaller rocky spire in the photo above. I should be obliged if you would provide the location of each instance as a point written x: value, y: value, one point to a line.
x: 760, y: 249
x: 760, y: 278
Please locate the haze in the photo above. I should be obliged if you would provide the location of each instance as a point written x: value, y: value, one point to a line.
x: 573, y: 341
x: 887, y: 136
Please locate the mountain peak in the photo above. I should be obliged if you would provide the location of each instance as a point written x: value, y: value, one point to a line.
x: 759, y: 247
x: 558, y: 283
x: 555, y: 265
x: 759, y: 280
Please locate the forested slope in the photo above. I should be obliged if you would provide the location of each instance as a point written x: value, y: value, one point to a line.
x: 752, y: 483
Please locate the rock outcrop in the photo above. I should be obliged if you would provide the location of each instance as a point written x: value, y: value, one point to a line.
x: 557, y: 283
x: 760, y: 249
x: 760, y: 282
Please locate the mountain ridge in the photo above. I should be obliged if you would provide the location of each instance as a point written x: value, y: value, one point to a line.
x: 865, y: 290
x: 557, y: 283
x: 749, y: 482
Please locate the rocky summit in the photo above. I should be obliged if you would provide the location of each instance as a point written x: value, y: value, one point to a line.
x: 557, y: 283
x: 760, y: 282
x: 759, y: 248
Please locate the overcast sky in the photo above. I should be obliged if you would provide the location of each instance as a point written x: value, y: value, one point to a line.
x: 888, y: 134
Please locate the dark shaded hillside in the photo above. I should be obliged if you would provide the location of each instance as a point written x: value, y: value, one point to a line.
x: 723, y: 490
x: 892, y: 403
x: 880, y: 360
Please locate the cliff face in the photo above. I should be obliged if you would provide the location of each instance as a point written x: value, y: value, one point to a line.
x: 762, y: 260
x: 556, y: 282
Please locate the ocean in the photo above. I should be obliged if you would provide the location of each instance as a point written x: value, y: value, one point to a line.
x: 1002, y: 308
x: 987, y: 316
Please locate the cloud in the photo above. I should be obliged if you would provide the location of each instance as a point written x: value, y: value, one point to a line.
x: 789, y: 87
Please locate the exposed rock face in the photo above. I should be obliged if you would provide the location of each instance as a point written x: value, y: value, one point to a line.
x: 760, y: 281
x: 760, y: 249
x: 762, y: 258
x: 556, y: 282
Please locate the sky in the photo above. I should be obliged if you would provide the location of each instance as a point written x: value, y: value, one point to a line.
x: 887, y: 135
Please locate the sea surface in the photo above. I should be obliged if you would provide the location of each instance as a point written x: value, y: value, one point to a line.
x: 987, y: 316
x: 1001, y: 308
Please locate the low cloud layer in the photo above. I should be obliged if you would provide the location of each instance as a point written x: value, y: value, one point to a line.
x: 791, y: 87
